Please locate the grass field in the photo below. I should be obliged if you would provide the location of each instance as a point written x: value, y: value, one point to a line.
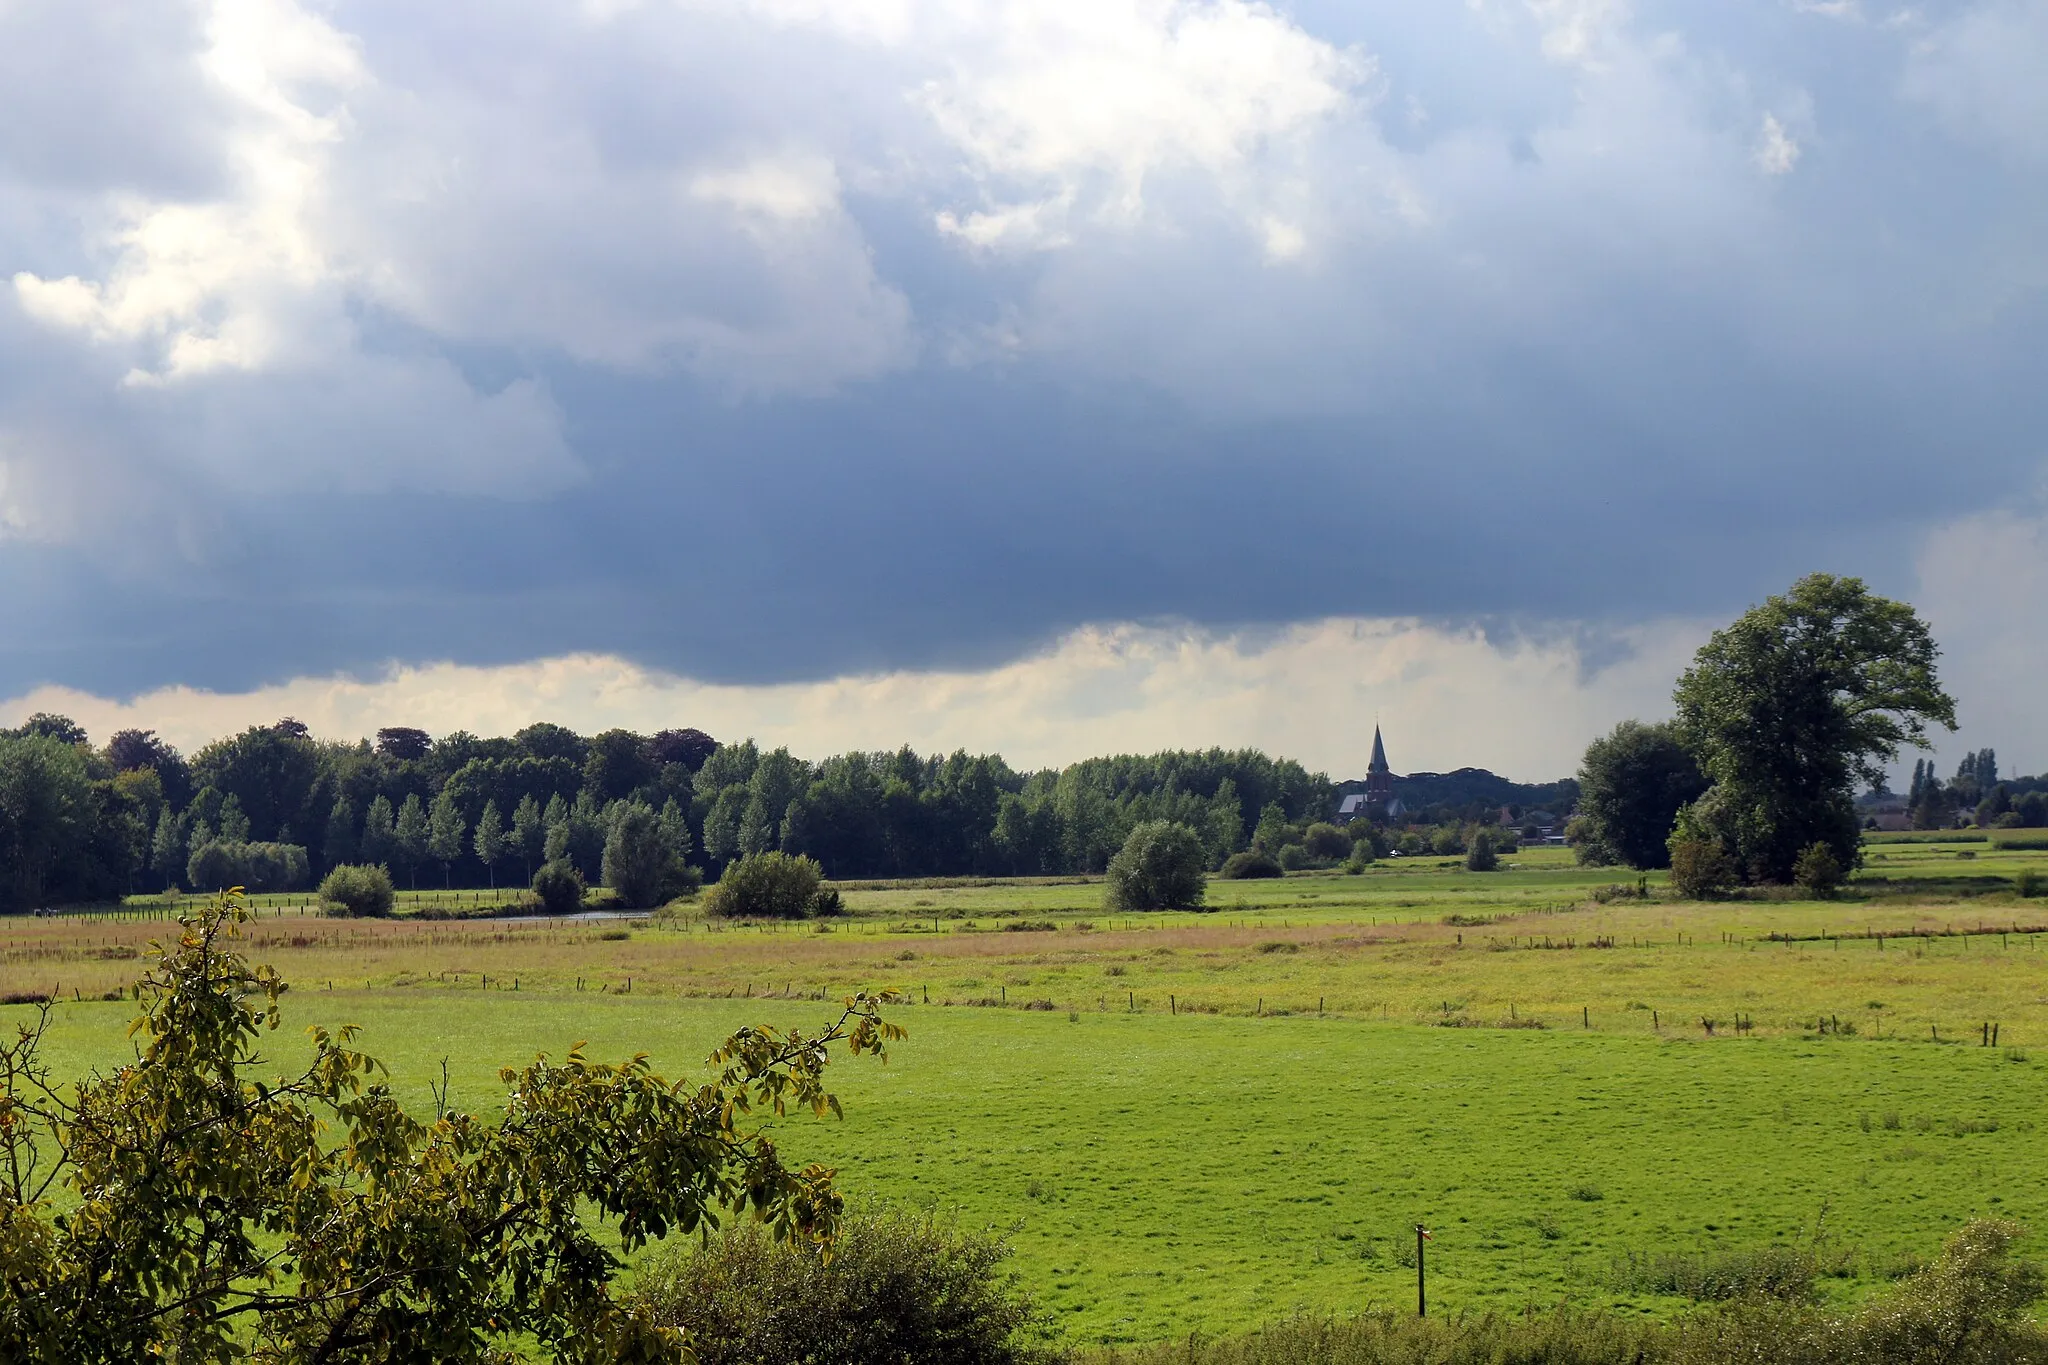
x: 1199, y: 1122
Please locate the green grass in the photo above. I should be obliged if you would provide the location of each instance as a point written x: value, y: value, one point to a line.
x: 1167, y: 1174
x: 1175, y: 1157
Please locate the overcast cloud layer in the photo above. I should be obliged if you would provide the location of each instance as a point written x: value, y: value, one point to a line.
x: 773, y: 341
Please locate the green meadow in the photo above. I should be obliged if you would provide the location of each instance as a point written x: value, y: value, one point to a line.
x: 1202, y: 1122
x: 1172, y: 1173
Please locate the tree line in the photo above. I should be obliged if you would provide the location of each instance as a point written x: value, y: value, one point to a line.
x: 275, y: 808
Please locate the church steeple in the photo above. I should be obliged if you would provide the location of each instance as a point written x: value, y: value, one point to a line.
x: 1379, y: 780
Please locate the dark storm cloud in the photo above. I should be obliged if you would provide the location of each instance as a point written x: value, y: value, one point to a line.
x: 761, y: 342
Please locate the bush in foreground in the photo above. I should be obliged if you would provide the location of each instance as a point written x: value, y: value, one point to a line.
x: 1971, y: 1307
x: 766, y: 886
x: 1158, y: 868
x: 900, y: 1287
x: 1248, y: 865
x: 358, y: 890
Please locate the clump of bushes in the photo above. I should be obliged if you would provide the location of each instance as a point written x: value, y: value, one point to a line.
x: 1701, y: 869
x: 900, y: 1286
x: 1158, y: 868
x: 766, y: 886
x: 1786, y: 1273
x: 1295, y: 858
x: 1326, y: 842
x: 1249, y: 865
x: 558, y: 888
x: 1817, y: 872
x: 1479, y: 854
x: 255, y: 867
x: 357, y: 889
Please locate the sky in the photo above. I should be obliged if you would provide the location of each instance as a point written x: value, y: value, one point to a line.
x: 1050, y: 377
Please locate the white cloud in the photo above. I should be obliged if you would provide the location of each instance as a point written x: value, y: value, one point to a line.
x: 1776, y: 152
x: 1982, y: 71
x: 1520, y: 705
x: 1072, y: 107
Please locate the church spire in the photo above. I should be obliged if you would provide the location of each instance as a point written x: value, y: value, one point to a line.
x: 1379, y: 754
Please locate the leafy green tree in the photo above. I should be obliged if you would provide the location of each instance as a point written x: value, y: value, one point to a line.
x: 445, y: 831
x: 1818, y: 872
x: 272, y: 772
x: 380, y: 842
x: 675, y: 831
x: 234, y: 825
x: 193, y: 1205
x: 529, y: 834
x: 766, y: 886
x: 757, y: 826
x: 1273, y: 830
x: 1632, y: 784
x: 1790, y: 706
x: 492, y: 844
x: 1158, y: 868
x: 617, y: 766
x: 638, y: 863
x: 379, y: 835
x: 722, y: 823
x: 167, y: 847
x: 48, y: 725
x: 47, y: 815
x: 340, y: 845
x: 1480, y: 855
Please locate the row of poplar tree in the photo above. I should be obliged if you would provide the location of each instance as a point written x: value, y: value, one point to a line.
x: 274, y: 807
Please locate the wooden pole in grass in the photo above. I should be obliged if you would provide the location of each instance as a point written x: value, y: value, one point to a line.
x: 1421, y: 1277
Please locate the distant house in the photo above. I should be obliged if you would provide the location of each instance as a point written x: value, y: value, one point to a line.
x: 1887, y: 810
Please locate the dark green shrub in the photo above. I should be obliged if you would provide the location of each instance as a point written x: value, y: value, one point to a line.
x: 1293, y: 858
x: 828, y: 902
x: 902, y: 1288
x: 1817, y: 871
x: 558, y: 888
x: 1479, y: 854
x: 216, y: 866
x: 1701, y: 869
x: 1326, y: 842
x: 1158, y: 868
x: 2027, y: 883
x: 1786, y: 1273
x: 1448, y: 840
x: 1248, y: 865
x: 257, y: 868
x: 766, y: 886
x: 358, y: 890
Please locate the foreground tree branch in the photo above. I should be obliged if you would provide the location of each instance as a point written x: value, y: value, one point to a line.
x: 220, y: 1216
